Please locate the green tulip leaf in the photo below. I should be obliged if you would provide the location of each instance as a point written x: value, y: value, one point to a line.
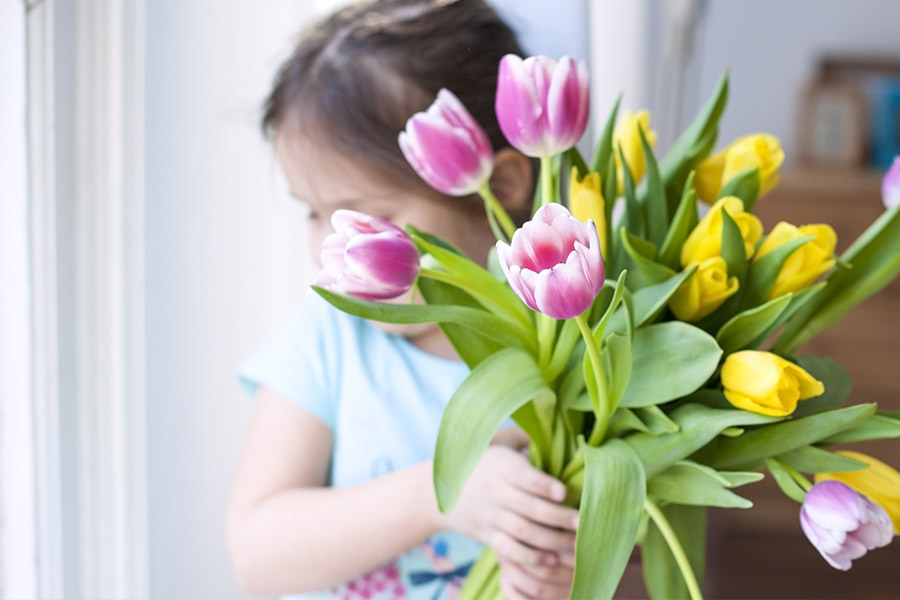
x: 875, y: 257
x: 474, y: 413
x: 764, y: 271
x: 657, y: 420
x: 680, y: 228
x: 786, y: 483
x: 649, y: 302
x: 739, y: 478
x: 798, y: 300
x: 654, y: 198
x: 495, y: 295
x: 739, y: 332
x: 496, y: 328
x: 698, y: 425
x: 733, y: 249
x: 811, y: 459
x: 624, y: 420
x: 617, y: 361
x: 612, y: 505
x: 694, y: 143
x: 661, y: 573
x: 669, y: 360
x: 634, y: 219
x: 878, y: 427
x: 750, y: 449
x: 744, y: 185
x: 694, y: 484
x: 833, y: 376
x: 644, y: 270
x: 472, y: 345
x: 605, y: 145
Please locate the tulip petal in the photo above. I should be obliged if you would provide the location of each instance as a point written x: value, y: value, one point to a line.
x: 890, y: 185
x: 560, y: 292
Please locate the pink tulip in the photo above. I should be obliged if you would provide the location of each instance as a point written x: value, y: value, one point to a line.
x: 890, y: 185
x: 447, y: 147
x: 367, y: 257
x: 553, y: 263
x: 843, y: 524
x: 542, y: 106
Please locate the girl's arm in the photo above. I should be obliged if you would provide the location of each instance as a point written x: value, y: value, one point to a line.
x: 288, y: 533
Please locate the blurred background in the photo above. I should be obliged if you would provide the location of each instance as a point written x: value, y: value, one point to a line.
x: 148, y: 242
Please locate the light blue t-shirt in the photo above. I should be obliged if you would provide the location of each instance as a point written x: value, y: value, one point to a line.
x: 382, y: 398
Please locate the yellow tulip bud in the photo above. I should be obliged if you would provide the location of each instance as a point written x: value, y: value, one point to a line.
x: 705, y: 241
x: 708, y: 177
x: 705, y: 291
x: 767, y: 384
x: 628, y: 137
x: 806, y: 262
x: 586, y: 202
x: 879, y: 482
x: 761, y: 151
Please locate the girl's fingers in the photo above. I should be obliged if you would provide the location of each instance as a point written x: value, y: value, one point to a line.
x: 512, y: 437
x: 567, y: 558
x: 526, y: 584
x: 535, y: 535
x: 511, y: 549
x: 509, y: 592
x: 539, y: 510
x: 558, y: 574
x: 523, y: 475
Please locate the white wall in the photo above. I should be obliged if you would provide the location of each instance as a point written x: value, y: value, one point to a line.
x: 771, y: 47
x: 224, y: 263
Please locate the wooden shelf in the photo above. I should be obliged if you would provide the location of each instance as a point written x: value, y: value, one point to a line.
x: 762, y: 553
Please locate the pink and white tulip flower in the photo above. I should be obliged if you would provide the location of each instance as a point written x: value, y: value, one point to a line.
x: 843, y: 524
x: 367, y: 257
x: 890, y: 185
x: 447, y: 147
x: 553, y: 263
x: 542, y: 106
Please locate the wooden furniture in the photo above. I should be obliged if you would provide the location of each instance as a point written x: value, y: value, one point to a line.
x: 762, y: 553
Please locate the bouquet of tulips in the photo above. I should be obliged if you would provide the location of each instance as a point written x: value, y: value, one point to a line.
x: 626, y: 342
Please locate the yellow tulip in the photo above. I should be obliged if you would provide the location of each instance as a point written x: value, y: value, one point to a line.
x: 879, y: 482
x: 586, y: 202
x: 760, y: 150
x: 627, y: 136
x: 705, y: 291
x: 705, y: 241
x: 767, y: 384
x: 806, y: 262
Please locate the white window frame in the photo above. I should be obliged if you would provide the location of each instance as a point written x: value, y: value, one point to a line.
x: 99, y: 549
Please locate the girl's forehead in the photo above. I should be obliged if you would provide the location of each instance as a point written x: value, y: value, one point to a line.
x: 316, y: 172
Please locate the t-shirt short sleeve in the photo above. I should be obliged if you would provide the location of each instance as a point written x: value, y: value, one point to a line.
x: 293, y: 361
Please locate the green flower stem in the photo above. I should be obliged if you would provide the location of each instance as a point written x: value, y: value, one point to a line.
x: 507, y: 311
x: 659, y: 519
x: 493, y: 207
x: 546, y: 180
x: 492, y: 220
x: 602, y: 409
x: 546, y: 338
x: 796, y: 476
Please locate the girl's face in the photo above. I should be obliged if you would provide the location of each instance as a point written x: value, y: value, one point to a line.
x: 326, y: 182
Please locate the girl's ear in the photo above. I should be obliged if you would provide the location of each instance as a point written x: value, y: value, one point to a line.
x: 513, y: 181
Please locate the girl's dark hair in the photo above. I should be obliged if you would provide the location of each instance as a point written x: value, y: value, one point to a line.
x: 355, y: 78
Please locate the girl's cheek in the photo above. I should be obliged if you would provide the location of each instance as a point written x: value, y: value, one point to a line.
x: 317, y: 231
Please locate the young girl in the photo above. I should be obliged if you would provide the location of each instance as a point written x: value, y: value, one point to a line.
x: 333, y: 497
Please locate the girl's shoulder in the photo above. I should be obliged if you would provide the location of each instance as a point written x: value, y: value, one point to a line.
x: 301, y: 359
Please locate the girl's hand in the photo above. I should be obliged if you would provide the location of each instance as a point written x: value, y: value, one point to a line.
x: 514, y: 508
x: 525, y: 582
